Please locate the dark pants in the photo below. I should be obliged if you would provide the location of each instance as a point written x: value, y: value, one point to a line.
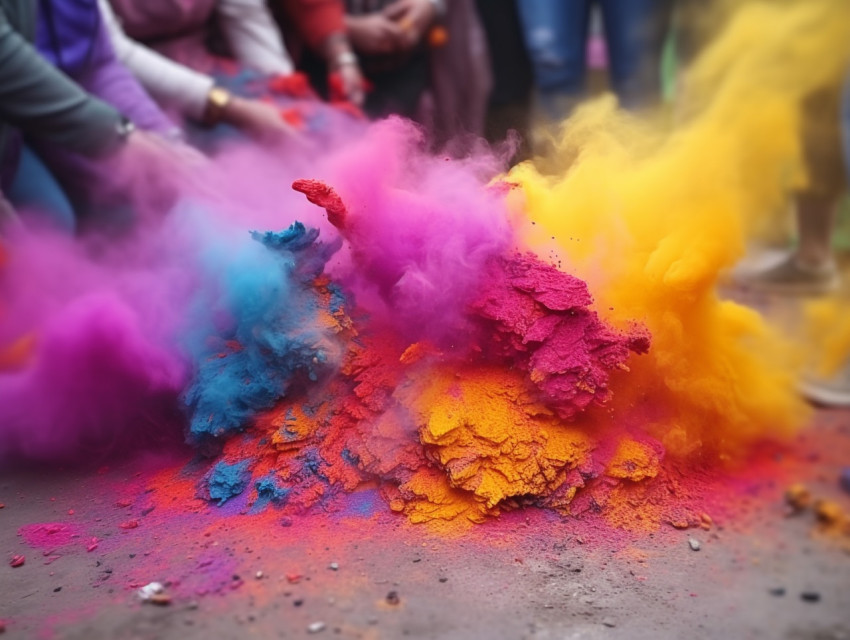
x: 35, y: 192
x: 556, y: 36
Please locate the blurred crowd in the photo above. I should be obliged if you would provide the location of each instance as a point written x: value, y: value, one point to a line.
x: 104, y: 103
x: 101, y: 99
x: 99, y: 96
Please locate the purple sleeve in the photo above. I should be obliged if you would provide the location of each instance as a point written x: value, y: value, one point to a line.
x: 113, y: 83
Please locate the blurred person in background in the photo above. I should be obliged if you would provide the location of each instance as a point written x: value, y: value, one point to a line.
x: 70, y: 34
x: 382, y: 41
x: 316, y: 33
x: 834, y: 391
x: 509, y: 105
x: 52, y: 111
x: 556, y: 34
x: 165, y: 44
x: 810, y: 268
x: 426, y: 60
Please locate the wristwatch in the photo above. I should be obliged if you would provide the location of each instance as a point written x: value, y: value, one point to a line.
x: 124, y: 127
x: 217, y: 101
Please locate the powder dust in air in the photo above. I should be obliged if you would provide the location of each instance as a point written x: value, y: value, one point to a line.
x: 463, y: 340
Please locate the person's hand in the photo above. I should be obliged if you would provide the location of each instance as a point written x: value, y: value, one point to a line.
x: 413, y: 17
x: 375, y: 34
x: 352, y: 86
x: 260, y: 120
x: 150, y: 171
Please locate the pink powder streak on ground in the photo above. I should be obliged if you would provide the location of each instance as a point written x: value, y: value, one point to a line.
x: 51, y: 535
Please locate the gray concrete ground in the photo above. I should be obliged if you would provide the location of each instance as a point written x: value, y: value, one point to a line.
x: 512, y: 580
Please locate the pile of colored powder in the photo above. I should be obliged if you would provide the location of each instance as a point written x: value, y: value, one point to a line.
x: 448, y: 433
x: 538, y: 318
x: 275, y: 334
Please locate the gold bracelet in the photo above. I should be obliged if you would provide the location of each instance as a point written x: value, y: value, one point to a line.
x: 217, y: 101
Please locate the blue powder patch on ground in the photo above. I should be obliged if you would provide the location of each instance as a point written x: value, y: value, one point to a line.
x: 364, y: 504
x: 224, y: 481
x: 270, y: 339
x: 270, y: 491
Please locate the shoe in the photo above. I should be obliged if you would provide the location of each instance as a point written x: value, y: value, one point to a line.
x: 834, y: 392
x: 788, y: 276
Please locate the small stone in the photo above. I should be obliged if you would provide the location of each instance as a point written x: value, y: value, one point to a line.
x: 810, y: 596
x: 298, y: 602
x: 609, y: 623
x: 315, y: 627
x: 149, y: 590
x: 333, y: 566
x: 828, y: 512
x: 57, y: 590
x: 444, y: 579
x: 694, y: 544
x: 798, y: 497
x: 777, y: 591
x: 392, y: 598
x: 161, y: 599
x: 286, y: 521
x: 259, y: 575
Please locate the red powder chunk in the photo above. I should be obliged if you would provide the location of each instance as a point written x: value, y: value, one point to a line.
x: 538, y: 316
x: 130, y: 524
x: 293, y: 578
x: 17, y: 561
x: 295, y: 85
x: 293, y: 117
x: 323, y: 196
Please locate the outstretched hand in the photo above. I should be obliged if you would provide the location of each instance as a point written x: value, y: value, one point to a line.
x: 413, y: 17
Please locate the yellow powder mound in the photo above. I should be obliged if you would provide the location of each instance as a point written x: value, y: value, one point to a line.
x: 652, y: 218
x: 427, y: 497
x: 496, y: 442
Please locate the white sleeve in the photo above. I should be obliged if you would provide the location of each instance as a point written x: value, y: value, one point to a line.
x: 253, y: 36
x: 171, y: 84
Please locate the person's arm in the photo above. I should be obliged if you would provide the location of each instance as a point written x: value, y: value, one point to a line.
x: 45, y: 104
x: 253, y: 36
x: 321, y: 24
x: 171, y: 84
x: 194, y: 93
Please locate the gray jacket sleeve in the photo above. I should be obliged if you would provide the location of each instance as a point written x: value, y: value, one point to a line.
x: 46, y: 105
